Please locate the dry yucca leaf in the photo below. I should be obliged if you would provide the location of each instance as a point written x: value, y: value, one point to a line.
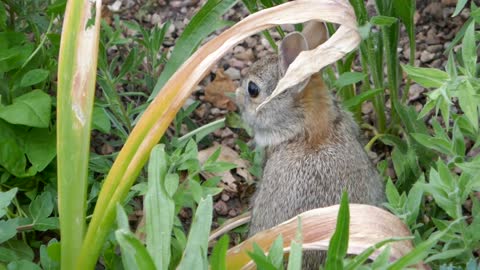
x: 368, y: 226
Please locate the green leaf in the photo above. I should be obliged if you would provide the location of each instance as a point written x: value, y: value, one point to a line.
x: 468, y: 101
x: 427, y: 77
x: 134, y: 253
x: 100, y: 120
x: 219, y: 253
x: 447, y: 254
x: 348, y: 78
x: 275, y: 254
x: 205, y: 21
x: 23, y: 265
x: 40, y: 147
x: 393, y: 196
x: 460, y: 5
x: 5, y: 199
x: 47, y: 262
x: 33, y: 77
x: 258, y: 256
x: 434, y: 143
x: 357, y: 100
x: 383, y: 20
x: 295, y: 256
x: 31, y: 109
x: 12, y: 157
x: 3, y: 17
x: 41, y: 207
x: 15, y: 250
x: 159, y: 209
x: 195, y: 255
x: 469, y: 50
x: 339, y: 242
x: 418, y: 253
x: 45, y: 224
x: 414, y: 200
x: 8, y: 229
x: 122, y: 218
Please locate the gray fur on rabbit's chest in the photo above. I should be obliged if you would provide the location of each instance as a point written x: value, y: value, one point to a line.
x: 295, y: 180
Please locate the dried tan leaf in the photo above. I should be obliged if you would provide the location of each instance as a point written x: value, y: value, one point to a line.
x: 215, y: 91
x: 226, y: 155
x: 345, y: 39
x: 368, y: 226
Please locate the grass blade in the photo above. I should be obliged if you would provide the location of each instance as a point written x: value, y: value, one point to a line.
x: 134, y: 253
x: 218, y: 257
x: 76, y: 88
x: 339, y: 242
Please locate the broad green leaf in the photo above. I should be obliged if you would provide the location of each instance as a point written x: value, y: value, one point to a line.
x: 40, y: 147
x: 5, y: 199
x: 23, y: 265
x: 100, y: 120
x: 195, y: 254
x: 134, y: 254
x: 41, y: 207
x: 393, y: 196
x: 349, y: 78
x: 469, y: 50
x: 338, y: 245
x: 205, y: 21
x: 33, y: 77
x: 15, y: 250
x: 383, y: 20
x: 427, y: 77
x: 414, y: 200
x: 45, y: 224
x: 8, y: 229
x: 12, y: 157
x: 31, y: 109
x: 434, y: 143
x: 468, y: 101
x: 218, y: 257
x: 159, y: 209
x: 46, y: 261
x: 357, y: 100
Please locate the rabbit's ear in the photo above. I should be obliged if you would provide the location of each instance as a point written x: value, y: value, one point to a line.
x: 290, y: 48
x: 315, y: 33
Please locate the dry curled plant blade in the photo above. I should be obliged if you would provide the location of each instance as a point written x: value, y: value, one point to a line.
x: 345, y: 39
x: 368, y: 226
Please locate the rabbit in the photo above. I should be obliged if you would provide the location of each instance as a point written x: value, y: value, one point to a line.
x: 312, y: 146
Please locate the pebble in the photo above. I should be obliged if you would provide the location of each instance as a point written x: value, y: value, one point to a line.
x: 233, y: 73
x: 233, y: 62
x: 225, y: 197
x: 415, y: 92
x: 426, y: 56
x: 245, y: 56
x: 156, y: 20
x: 115, y: 7
x: 221, y: 208
x: 435, y: 48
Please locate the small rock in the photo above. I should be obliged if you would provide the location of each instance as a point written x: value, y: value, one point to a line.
x: 226, y: 132
x: 115, y: 7
x: 415, y: 92
x: 233, y: 73
x: 221, y: 208
x: 106, y: 149
x: 437, y: 63
x: 233, y: 212
x: 246, y: 55
x: 434, y: 9
x: 225, y: 197
x: 176, y: 4
x: 432, y: 37
x: 238, y: 49
x: 187, y: 103
x: 215, y: 111
x: 201, y: 111
x: 236, y: 63
x: 251, y: 42
x: 449, y: 2
x: 367, y: 107
x: 156, y: 19
x: 426, y: 56
x: 170, y: 30
x: 435, y: 48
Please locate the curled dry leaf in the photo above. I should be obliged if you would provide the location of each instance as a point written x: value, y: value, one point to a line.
x: 368, y: 226
x: 226, y: 155
x: 215, y: 91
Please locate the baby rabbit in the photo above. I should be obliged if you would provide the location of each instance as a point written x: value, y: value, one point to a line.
x: 312, y: 145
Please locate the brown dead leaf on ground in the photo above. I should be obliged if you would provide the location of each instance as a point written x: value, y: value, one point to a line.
x: 215, y: 91
x: 226, y: 155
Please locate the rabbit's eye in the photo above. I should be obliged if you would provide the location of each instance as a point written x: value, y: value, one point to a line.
x: 253, y: 89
